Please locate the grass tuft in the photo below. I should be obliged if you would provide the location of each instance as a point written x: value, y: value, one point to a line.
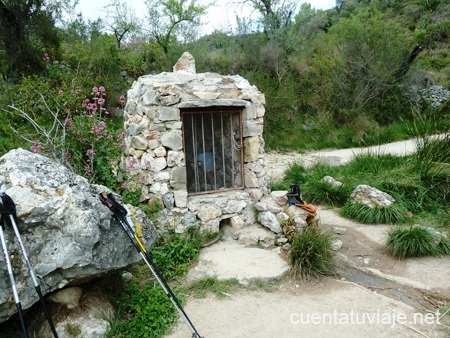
x: 413, y: 241
x: 393, y: 214
x: 311, y: 254
x: 202, y: 287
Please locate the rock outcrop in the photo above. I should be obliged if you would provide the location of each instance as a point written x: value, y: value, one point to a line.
x: 69, y: 235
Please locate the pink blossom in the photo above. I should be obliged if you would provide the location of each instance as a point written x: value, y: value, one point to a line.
x: 94, y: 90
x: 36, y: 147
x: 90, y: 152
x: 121, y: 136
x: 102, y: 89
x: 122, y: 98
x: 102, y: 124
x: 101, y: 100
x: 60, y: 92
x: 125, y: 185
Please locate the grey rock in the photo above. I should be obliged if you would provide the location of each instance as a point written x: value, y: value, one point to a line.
x: 336, y: 244
x: 331, y: 181
x: 68, y: 233
x: 172, y: 139
x: 371, y: 197
x: 185, y: 63
x: 269, y: 220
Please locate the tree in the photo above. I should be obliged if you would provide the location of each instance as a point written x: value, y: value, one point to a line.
x: 121, y: 20
x: 169, y: 19
x: 372, y: 47
x: 275, y: 14
x: 27, y: 29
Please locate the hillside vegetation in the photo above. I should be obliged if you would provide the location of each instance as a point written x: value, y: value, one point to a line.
x: 348, y: 76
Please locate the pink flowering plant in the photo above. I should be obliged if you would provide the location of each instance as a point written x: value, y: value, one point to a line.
x: 93, y: 143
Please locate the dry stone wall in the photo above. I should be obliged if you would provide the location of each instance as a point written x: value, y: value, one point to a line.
x: 154, y: 159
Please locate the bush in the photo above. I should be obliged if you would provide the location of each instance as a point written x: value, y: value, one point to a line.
x: 174, y: 254
x: 393, y: 214
x: 414, y: 241
x: 143, y: 312
x: 311, y: 253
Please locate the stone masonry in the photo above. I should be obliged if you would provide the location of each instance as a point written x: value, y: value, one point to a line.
x: 154, y: 159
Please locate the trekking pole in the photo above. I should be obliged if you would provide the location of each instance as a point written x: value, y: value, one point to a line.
x: 11, y: 275
x: 119, y: 213
x: 10, y: 209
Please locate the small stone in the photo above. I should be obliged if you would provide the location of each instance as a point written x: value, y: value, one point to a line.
x: 287, y: 247
x: 70, y: 297
x: 331, y: 181
x: 282, y: 240
x: 336, y: 245
x: 127, y: 276
x: 339, y: 231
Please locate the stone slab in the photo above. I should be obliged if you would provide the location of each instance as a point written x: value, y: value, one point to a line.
x: 229, y: 259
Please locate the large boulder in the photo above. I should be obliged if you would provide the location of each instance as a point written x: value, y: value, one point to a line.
x: 69, y: 235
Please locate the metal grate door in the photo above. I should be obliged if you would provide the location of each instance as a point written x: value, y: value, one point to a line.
x: 213, y: 149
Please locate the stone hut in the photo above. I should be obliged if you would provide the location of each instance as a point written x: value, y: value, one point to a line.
x: 194, y: 141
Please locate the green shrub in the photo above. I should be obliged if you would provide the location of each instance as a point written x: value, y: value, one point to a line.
x: 311, y: 253
x: 393, y: 214
x: 174, y: 253
x: 413, y: 241
x: 143, y: 312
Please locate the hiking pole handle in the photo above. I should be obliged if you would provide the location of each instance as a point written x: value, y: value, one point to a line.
x: 105, y: 200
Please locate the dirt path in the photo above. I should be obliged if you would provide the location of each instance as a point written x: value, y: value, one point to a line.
x: 372, y: 295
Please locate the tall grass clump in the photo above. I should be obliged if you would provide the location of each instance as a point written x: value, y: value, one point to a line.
x: 415, y: 241
x: 432, y: 142
x: 393, y: 214
x: 311, y: 253
x: 321, y: 192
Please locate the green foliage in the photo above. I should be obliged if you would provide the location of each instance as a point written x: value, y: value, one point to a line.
x: 311, y: 253
x: 393, y: 214
x: 321, y: 192
x: 174, y: 253
x: 414, y: 241
x: 444, y: 246
x: 170, y: 19
x: 132, y: 197
x: 27, y: 30
x: 143, y: 312
x: 432, y: 156
x: 152, y: 208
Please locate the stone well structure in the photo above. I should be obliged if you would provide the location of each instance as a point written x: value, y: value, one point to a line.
x: 194, y: 141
